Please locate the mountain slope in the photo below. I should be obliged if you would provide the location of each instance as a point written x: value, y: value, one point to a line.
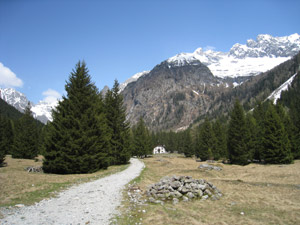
x: 172, y: 97
x: 191, y: 85
x: 9, y: 111
x: 275, y: 95
x: 14, y: 98
x: 256, y: 89
x: 41, y: 111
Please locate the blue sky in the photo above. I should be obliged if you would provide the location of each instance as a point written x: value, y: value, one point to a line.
x: 42, y: 40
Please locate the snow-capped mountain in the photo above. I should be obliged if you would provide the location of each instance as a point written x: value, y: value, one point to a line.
x: 275, y: 95
x: 41, y: 111
x: 188, y: 86
x: 243, y: 60
x: 132, y: 79
x: 14, y: 98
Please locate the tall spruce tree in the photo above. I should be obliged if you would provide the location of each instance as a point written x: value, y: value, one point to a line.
x: 237, y: 145
x: 295, y: 114
x: 290, y: 129
x: 252, y: 139
x: 276, y: 145
x: 26, y: 136
x: 6, y: 134
x: 2, y: 139
x: 221, y: 145
x: 259, y: 114
x: 186, y: 142
x: 117, y: 125
x: 141, y: 140
x: 206, y: 142
x: 75, y: 140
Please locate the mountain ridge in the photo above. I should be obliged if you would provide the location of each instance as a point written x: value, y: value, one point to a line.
x: 165, y: 98
x: 228, y: 70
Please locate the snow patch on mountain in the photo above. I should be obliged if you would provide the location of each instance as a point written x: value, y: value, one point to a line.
x: 275, y: 95
x: 243, y: 60
x: 43, y: 110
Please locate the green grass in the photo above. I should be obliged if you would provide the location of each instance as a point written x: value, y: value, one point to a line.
x: 20, y: 187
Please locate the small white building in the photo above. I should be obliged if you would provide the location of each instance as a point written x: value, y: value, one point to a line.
x: 159, y: 150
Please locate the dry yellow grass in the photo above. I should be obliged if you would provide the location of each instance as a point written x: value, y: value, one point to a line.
x: 253, y: 194
x: 17, y: 186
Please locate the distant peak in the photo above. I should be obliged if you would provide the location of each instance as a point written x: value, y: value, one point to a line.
x: 198, y: 51
x: 264, y: 37
x: 135, y: 77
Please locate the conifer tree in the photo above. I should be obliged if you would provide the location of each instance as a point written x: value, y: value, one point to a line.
x: 237, y: 146
x: 221, y: 145
x: 206, y: 142
x: 290, y: 129
x: 141, y: 140
x: 6, y: 134
x: 2, y: 155
x: 2, y: 139
x: 187, y: 144
x: 26, y: 136
x: 295, y: 114
x: 276, y: 145
x: 76, y: 140
x: 117, y: 125
x: 259, y: 115
x: 252, y: 139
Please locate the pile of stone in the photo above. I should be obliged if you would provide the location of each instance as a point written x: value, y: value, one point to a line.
x: 183, y: 188
x: 209, y: 167
x: 32, y: 169
x: 135, y: 195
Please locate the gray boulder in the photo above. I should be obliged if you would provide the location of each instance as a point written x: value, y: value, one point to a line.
x: 209, y: 167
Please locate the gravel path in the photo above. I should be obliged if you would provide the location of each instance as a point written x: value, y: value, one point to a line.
x: 95, y: 202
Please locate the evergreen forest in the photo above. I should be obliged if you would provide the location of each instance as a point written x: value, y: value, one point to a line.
x: 90, y: 132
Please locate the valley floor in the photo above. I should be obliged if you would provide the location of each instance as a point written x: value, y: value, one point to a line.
x: 252, y: 194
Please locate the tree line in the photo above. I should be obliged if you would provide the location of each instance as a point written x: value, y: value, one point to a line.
x: 266, y: 134
x: 90, y: 132
x: 19, y: 134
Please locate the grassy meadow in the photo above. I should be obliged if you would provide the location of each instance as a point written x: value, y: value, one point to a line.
x: 17, y: 186
x: 252, y: 194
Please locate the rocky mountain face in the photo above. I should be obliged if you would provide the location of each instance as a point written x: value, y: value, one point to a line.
x: 182, y: 88
x: 172, y: 97
x: 132, y: 79
x: 14, y: 98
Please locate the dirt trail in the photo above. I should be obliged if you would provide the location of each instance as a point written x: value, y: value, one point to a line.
x: 90, y: 203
